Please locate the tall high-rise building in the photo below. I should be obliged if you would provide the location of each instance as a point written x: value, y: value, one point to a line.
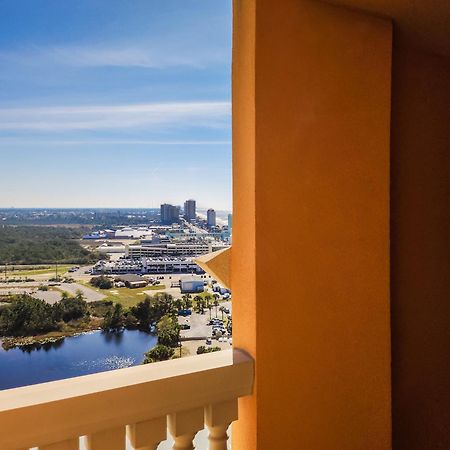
x: 211, y: 218
x: 169, y: 213
x: 189, y: 210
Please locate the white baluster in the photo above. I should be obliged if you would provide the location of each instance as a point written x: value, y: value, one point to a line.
x: 218, y: 418
x: 183, y: 427
x: 147, y: 435
x: 69, y: 444
x: 111, y: 439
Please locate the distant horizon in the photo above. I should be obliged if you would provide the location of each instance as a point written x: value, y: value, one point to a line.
x: 106, y: 208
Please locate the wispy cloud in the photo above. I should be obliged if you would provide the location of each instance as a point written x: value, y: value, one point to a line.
x: 128, y: 116
x: 57, y: 142
x: 152, y: 55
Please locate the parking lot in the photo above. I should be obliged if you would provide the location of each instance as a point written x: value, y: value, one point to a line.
x: 199, y: 322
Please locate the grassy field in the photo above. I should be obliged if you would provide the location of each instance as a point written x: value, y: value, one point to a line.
x: 23, y: 271
x: 127, y: 297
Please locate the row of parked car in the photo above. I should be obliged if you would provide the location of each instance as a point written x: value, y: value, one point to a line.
x: 221, y: 339
x: 218, y: 328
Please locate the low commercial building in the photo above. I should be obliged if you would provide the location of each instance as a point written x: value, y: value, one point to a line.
x: 173, y: 249
x: 132, y: 281
x: 142, y: 266
x: 191, y: 286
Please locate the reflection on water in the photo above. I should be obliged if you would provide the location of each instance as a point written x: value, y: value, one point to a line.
x: 87, y: 353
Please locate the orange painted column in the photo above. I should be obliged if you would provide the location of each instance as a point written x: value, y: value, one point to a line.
x: 310, y: 261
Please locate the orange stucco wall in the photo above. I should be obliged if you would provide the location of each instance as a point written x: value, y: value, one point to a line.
x: 243, y: 261
x: 420, y: 250
x: 311, y: 112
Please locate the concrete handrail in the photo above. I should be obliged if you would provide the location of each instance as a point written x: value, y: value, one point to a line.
x: 100, y: 406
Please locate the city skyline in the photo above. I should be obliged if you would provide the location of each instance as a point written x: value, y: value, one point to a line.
x: 133, y: 101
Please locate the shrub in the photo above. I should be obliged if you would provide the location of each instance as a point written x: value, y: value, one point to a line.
x: 202, y: 349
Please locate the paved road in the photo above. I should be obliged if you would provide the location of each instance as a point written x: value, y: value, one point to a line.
x: 89, y: 294
x: 50, y: 297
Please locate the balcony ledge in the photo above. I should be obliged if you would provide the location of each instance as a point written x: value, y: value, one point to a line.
x: 54, y: 412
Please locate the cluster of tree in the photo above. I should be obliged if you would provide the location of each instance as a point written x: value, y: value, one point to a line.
x: 161, y: 309
x: 115, y: 318
x: 185, y: 302
x: 152, y: 309
x: 42, y: 245
x: 71, y: 308
x: 168, y: 332
x: 27, y: 316
x: 158, y: 353
x: 89, y: 217
x: 206, y: 302
x: 102, y: 282
x: 145, y: 314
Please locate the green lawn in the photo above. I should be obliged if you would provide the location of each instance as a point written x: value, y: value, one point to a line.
x: 129, y: 297
x: 30, y: 272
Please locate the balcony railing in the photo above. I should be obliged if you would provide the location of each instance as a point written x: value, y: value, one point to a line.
x: 142, y: 403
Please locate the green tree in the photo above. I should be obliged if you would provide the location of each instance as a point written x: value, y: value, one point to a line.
x: 216, y: 304
x: 114, y: 319
x: 27, y: 316
x: 144, y: 313
x: 168, y: 331
x: 70, y: 308
x: 158, y: 353
x: 101, y: 282
x: 152, y: 309
x: 178, y: 303
x: 187, y: 301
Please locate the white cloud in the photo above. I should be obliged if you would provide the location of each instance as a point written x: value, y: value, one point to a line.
x: 67, y: 142
x: 153, y: 55
x: 104, y: 117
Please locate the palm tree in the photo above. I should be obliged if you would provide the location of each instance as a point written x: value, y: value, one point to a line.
x: 210, y: 308
x: 216, y: 304
x: 208, y: 299
x: 197, y: 300
x: 188, y: 301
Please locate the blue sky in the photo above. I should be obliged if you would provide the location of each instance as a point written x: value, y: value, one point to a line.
x: 107, y: 103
